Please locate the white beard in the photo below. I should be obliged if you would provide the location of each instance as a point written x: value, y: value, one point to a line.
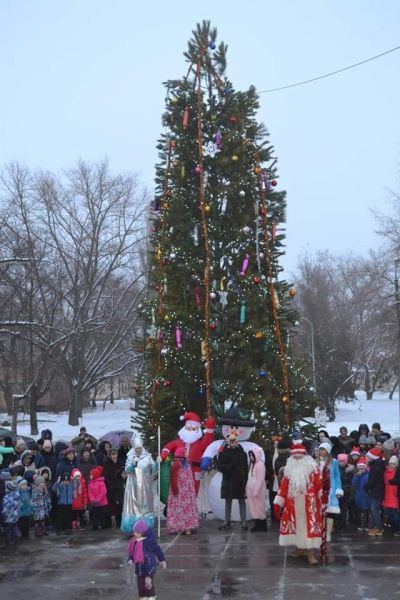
x: 298, y: 472
x: 188, y: 437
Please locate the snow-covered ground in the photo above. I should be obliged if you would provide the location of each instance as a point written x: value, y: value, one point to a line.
x: 380, y: 409
x: 118, y: 416
x: 97, y: 421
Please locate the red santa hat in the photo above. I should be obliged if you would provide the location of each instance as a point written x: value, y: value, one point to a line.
x: 298, y: 449
x: 374, y: 453
x: 191, y: 418
x: 362, y: 463
x: 355, y: 451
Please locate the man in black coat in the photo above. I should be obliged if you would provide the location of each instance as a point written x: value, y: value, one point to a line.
x: 232, y: 463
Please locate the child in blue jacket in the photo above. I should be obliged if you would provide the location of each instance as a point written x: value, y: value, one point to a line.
x: 361, y: 497
x: 11, y: 510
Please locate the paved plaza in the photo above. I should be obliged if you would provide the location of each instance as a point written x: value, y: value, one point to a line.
x: 208, y: 565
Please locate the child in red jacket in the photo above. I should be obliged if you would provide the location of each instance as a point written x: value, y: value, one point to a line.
x: 80, y: 501
x: 97, y: 493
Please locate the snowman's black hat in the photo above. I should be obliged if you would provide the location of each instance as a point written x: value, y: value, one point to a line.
x: 236, y: 417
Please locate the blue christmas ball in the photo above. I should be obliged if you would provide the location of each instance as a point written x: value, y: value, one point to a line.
x: 201, y: 391
x: 262, y: 372
x: 212, y: 45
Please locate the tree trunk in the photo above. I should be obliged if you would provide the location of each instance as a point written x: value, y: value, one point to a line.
x: 33, y: 399
x: 8, y: 398
x: 392, y: 390
x: 367, y: 384
x: 73, y: 417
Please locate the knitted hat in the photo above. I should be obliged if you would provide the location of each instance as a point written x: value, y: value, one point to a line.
x: 96, y: 472
x: 374, y: 453
x: 362, y: 463
x: 47, y: 445
x: 140, y: 526
x: 12, y: 485
x: 389, y: 444
x: 38, y: 480
x: 394, y: 460
x: 180, y: 452
x: 297, y: 449
x: 29, y: 476
x: 362, y: 439
x: 371, y: 440
x: 355, y: 451
x: 343, y: 458
x: 75, y: 473
x: 22, y: 484
x: 326, y: 446
x: 69, y: 450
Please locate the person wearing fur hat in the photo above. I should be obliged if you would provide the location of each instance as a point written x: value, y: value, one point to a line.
x: 375, y: 487
x: 114, y: 476
x: 143, y: 553
x: 138, y: 497
x: 256, y: 491
x: 80, y: 501
x: 41, y: 505
x: 298, y: 505
x: 97, y: 494
x: 11, y: 511
x: 335, y: 490
x: 65, y: 495
x: 183, y: 514
x: 233, y: 464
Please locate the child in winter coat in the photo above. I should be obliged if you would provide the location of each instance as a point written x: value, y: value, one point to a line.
x: 375, y: 487
x: 64, y: 492
x: 80, y: 501
x: 361, y: 497
x: 143, y: 552
x: 97, y: 493
x: 391, y: 500
x: 41, y: 505
x: 182, y: 515
x: 25, y: 513
x: 11, y: 510
x: 256, y: 490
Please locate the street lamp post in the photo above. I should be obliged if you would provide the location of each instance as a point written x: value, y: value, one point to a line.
x: 313, y: 353
x: 397, y: 308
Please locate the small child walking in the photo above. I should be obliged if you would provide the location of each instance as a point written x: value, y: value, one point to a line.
x: 143, y: 552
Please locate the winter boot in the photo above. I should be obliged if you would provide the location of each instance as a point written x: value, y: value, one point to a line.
x: 256, y: 526
x: 312, y: 559
x: 262, y: 525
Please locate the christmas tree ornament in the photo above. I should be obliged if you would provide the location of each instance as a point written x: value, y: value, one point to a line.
x: 274, y: 182
x: 212, y: 45
x: 207, y: 208
x: 224, y: 205
x: 218, y: 140
x: 167, y: 383
x: 232, y: 120
x: 242, y: 193
x: 213, y: 326
x: 164, y: 351
x: 198, y: 169
x: 223, y: 298
x: 262, y: 372
x: 213, y: 296
x: 166, y: 318
x: 242, y: 318
x: 183, y: 171
x: 210, y: 149
x: 246, y: 229
x: 292, y: 292
x: 234, y: 157
x: 201, y: 391
x: 172, y: 256
x: 185, y: 118
x: 263, y: 211
x: 195, y: 235
x: 168, y: 193
x: 203, y: 350
x: 266, y: 182
x: 257, y: 170
x: 172, y: 144
x: 178, y: 337
x: 259, y: 335
x: 197, y: 297
x: 245, y: 264
x: 256, y: 280
x: 213, y: 118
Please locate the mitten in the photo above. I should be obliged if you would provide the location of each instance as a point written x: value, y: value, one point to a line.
x: 210, y: 423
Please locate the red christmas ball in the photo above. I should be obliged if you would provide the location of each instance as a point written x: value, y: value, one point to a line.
x: 168, y: 193
x: 167, y: 383
x: 256, y: 280
x: 263, y: 211
x: 233, y: 120
x: 274, y: 182
x: 213, y: 326
x: 157, y: 288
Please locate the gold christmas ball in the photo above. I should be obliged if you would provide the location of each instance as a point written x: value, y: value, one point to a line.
x: 259, y: 335
x: 257, y: 170
x: 292, y: 292
x: 166, y: 318
x: 235, y: 157
x: 207, y: 208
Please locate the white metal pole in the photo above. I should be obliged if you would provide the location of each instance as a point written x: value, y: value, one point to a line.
x: 158, y: 481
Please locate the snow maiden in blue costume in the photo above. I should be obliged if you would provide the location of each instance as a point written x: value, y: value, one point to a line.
x: 138, y: 497
x: 335, y: 490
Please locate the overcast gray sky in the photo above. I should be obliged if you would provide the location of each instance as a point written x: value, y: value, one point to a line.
x: 83, y: 79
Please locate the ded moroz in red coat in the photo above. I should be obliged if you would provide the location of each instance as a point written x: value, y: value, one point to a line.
x: 301, y: 519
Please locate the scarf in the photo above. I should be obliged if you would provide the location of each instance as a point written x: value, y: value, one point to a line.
x: 135, y: 550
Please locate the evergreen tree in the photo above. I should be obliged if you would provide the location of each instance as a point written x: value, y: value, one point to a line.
x: 217, y: 312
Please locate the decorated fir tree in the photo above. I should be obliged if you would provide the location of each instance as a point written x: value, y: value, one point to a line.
x: 217, y: 312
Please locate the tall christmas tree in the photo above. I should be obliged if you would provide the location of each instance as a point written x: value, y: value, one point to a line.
x: 217, y: 313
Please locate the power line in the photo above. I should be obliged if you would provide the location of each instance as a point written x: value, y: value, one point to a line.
x: 285, y: 87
